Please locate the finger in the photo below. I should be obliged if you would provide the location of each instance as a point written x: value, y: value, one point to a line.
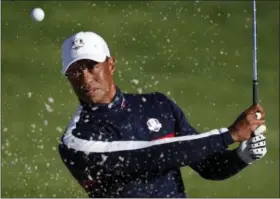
x: 255, y: 124
x: 260, y: 130
x: 256, y: 157
x: 256, y: 139
x: 258, y: 151
x: 258, y: 145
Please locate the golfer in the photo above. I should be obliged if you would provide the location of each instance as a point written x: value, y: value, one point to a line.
x: 133, y: 145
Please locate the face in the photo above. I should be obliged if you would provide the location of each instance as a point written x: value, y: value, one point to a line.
x: 92, y: 81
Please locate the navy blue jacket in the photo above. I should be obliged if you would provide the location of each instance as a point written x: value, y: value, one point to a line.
x: 135, y: 146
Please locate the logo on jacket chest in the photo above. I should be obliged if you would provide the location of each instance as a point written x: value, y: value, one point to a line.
x: 154, y: 125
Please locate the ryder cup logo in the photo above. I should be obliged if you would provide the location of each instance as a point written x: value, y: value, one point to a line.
x: 154, y: 125
x: 77, y: 43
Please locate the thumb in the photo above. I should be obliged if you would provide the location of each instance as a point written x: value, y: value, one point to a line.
x: 260, y: 130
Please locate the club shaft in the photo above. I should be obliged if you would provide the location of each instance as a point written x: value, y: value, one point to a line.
x: 255, y: 71
x: 255, y: 92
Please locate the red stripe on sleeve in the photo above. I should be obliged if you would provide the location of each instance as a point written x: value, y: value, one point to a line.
x: 170, y: 135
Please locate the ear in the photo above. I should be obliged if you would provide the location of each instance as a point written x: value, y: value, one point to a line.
x: 111, y: 62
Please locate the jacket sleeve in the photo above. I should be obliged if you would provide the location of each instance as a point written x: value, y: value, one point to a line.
x: 217, y: 166
x: 144, y: 156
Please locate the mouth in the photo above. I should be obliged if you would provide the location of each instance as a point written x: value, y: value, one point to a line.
x: 91, y: 91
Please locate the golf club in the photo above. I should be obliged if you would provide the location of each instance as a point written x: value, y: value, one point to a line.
x: 255, y: 72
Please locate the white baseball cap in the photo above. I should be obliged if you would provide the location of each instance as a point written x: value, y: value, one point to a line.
x: 83, y: 45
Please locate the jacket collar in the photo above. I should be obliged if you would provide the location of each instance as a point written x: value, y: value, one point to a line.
x: 118, y: 101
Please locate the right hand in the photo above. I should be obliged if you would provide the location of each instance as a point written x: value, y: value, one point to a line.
x: 246, y: 123
x: 252, y: 149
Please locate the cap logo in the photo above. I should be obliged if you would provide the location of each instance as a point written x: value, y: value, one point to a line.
x: 77, y: 43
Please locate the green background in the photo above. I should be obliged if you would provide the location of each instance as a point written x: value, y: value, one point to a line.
x: 198, y: 53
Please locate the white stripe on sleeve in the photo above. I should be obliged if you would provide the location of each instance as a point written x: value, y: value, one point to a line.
x: 89, y: 146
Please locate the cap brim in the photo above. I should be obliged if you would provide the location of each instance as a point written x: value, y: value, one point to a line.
x: 93, y: 57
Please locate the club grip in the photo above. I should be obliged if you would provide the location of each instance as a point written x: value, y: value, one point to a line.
x: 255, y: 92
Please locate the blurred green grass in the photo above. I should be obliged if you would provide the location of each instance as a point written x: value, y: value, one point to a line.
x: 198, y: 53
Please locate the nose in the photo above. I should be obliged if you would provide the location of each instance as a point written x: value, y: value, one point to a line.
x: 87, y: 76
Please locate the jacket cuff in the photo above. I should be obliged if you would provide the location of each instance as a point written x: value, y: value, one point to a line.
x: 239, y: 160
x: 226, y: 136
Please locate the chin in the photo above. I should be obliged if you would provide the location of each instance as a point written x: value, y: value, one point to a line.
x: 96, y: 99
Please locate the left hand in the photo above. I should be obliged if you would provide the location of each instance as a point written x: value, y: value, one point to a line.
x: 254, y: 148
x: 247, y: 122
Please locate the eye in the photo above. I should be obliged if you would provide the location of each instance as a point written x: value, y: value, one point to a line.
x: 96, y: 66
x: 73, y: 74
x: 77, y: 73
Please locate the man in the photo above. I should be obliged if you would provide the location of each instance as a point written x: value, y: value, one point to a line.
x: 132, y: 145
